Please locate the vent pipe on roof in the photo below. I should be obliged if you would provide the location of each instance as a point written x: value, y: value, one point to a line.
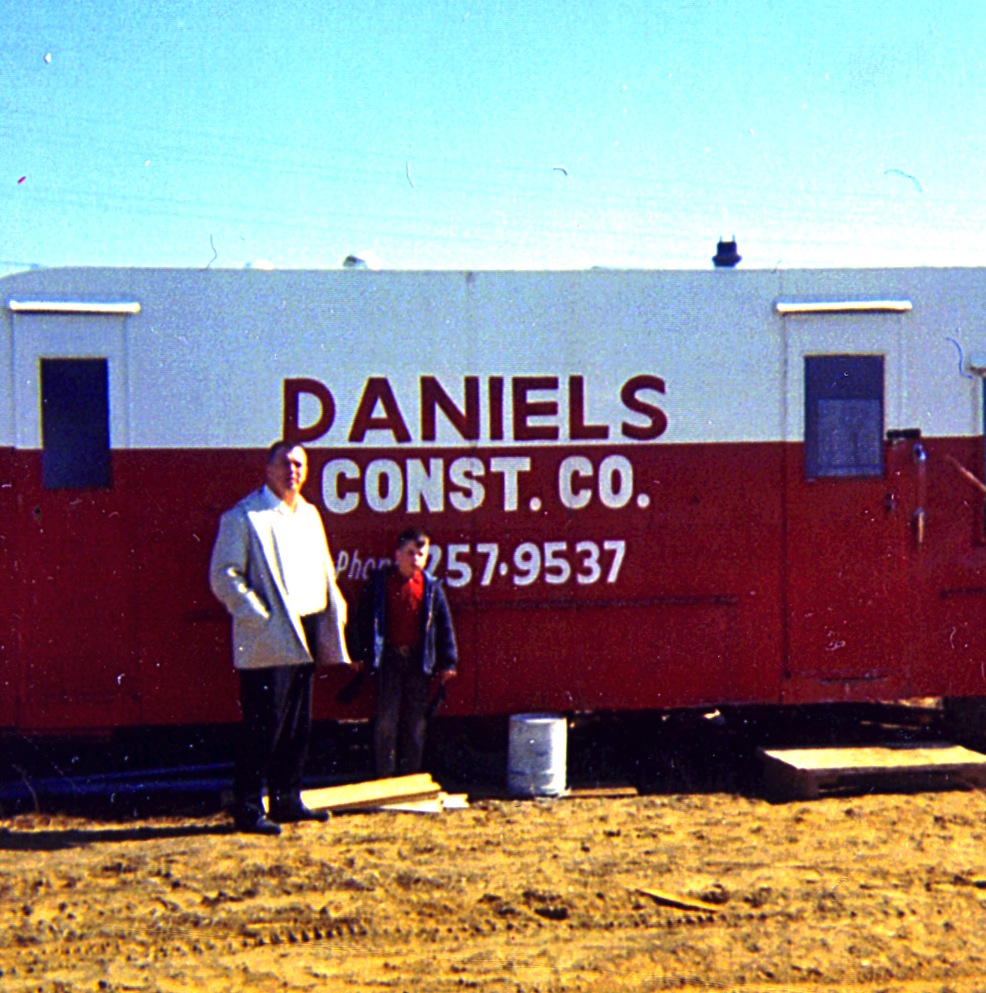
x: 726, y: 255
x: 361, y: 260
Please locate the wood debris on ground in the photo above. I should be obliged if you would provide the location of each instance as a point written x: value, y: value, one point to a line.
x: 680, y: 902
x: 417, y: 793
x: 808, y: 773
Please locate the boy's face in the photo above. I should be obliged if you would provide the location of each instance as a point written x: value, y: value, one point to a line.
x: 411, y: 557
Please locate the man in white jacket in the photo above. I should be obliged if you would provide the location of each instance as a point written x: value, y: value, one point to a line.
x: 272, y: 570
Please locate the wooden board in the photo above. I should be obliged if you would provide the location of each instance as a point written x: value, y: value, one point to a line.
x: 600, y: 792
x: 441, y: 803
x: 373, y: 793
x: 811, y: 772
x: 679, y: 902
x: 433, y: 806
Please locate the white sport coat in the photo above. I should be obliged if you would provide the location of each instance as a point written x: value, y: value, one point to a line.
x: 245, y: 575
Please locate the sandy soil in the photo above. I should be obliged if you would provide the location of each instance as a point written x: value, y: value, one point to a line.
x: 882, y: 892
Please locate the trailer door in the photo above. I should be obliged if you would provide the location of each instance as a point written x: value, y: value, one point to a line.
x: 74, y: 566
x: 851, y: 504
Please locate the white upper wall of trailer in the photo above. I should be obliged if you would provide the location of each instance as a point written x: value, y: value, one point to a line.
x: 203, y: 361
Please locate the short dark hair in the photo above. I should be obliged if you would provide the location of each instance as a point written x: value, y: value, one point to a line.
x: 280, y: 445
x: 416, y: 534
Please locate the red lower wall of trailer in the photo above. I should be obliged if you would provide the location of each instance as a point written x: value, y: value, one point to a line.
x: 885, y: 579
x: 739, y: 582
x: 9, y: 595
x: 946, y: 595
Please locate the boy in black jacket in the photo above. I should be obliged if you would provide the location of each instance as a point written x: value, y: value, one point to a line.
x: 406, y: 637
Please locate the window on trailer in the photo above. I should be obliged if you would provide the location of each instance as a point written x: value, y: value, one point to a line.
x: 75, y: 424
x: 843, y: 416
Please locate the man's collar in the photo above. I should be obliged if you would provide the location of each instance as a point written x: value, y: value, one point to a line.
x: 273, y: 502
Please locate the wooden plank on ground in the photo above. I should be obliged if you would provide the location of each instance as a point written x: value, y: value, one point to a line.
x: 438, y: 805
x: 432, y: 806
x: 810, y: 772
x: 373, y: 793
x: 680, y: 902
x: 600, y: 792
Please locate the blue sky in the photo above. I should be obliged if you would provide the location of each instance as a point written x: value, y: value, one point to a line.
x: 458, y: 134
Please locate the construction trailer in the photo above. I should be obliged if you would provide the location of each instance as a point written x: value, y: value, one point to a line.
x: 647, y: 490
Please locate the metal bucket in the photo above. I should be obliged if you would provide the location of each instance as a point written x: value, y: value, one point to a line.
x: 536, y: 753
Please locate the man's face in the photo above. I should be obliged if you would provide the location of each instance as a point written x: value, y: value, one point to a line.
x: 412, y: 557
x: 287, y: 471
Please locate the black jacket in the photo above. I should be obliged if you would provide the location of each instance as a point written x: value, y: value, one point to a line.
x: 439, y: 650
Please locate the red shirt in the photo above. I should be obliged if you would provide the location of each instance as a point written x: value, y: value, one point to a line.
x: 404, y: 601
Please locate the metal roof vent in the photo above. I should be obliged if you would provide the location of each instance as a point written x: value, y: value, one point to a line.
x: 726, y: 255
x: 362, y: 260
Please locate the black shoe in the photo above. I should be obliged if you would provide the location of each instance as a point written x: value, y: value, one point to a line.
x: 256, y: 824
x: 294, y: 811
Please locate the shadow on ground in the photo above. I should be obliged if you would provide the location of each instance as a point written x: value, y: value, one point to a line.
x: 187, y: 772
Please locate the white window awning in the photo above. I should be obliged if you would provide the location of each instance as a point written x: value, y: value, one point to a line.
x: 785, y: 307
x: 72, y: 307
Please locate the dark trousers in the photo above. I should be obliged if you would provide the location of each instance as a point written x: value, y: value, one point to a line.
x: 402, y: 705
x: 276, y: 730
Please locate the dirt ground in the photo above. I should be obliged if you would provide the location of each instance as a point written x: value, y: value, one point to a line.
x: 876, y: 893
